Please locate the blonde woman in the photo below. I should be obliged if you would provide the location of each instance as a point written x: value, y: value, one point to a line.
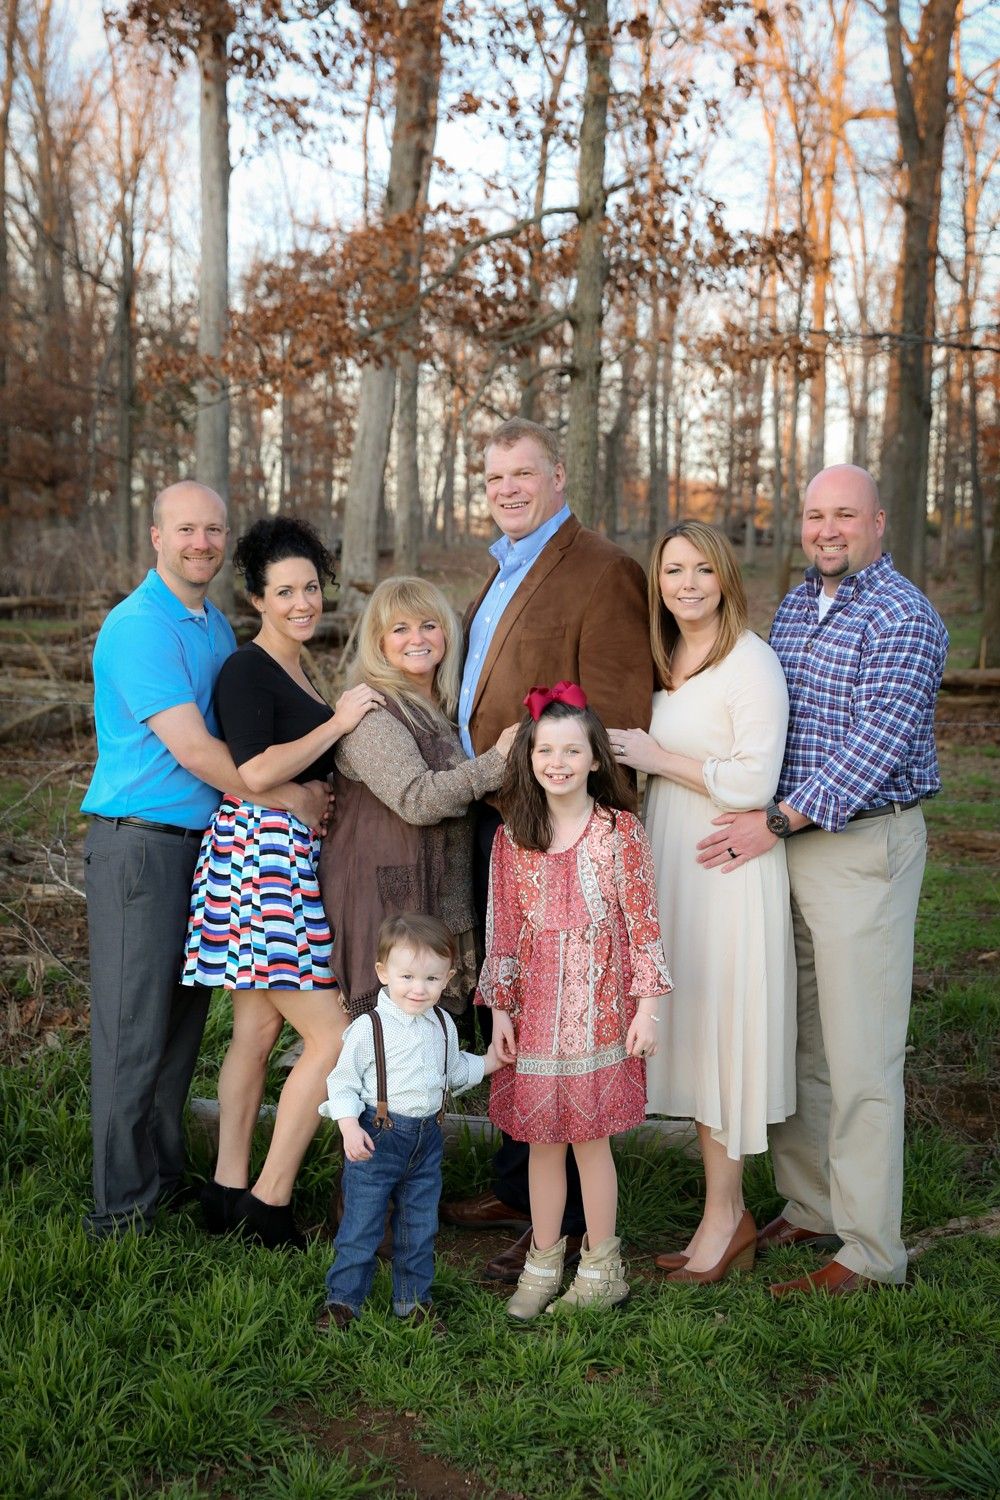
x: 726, y: 1054
x: 400, y: 837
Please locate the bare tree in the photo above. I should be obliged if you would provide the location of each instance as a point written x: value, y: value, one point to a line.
x: 418, y: 69
x: 582, y: 436
x: 920, y: 90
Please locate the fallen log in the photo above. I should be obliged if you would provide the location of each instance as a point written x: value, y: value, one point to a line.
x: 976, y: 678
x: 12, y: 604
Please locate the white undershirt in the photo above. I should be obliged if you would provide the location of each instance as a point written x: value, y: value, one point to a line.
x: 824, y: 602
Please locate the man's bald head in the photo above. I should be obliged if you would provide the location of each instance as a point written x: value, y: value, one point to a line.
x: 842, y: 523
x: 847, y: 480
x: 184, y: 489
x: 189, y: 535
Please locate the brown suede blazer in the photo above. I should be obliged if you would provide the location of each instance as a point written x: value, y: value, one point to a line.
x: 581, y: 616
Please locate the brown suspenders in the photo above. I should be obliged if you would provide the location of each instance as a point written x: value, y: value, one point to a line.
x: 382, y: 1116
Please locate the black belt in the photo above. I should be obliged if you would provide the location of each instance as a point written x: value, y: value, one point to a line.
x: 181, y: 833
x: 883, y: 812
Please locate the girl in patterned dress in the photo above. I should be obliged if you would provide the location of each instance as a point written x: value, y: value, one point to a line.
x: 574, y: 971
x: 257, y: 925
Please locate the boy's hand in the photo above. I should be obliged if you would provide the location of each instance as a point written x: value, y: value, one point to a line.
x: 358, y: 1144
x: 492, y: 1060
x: 503, y: 1045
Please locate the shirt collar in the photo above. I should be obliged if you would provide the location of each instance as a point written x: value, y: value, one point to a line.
x: 855, y: 583
x: 169, y: 602
x: 526, y: 548
x: 393, y: 1012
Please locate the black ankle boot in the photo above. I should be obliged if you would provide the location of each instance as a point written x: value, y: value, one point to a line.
x: 268, y: 1224
x: 218, y: 1207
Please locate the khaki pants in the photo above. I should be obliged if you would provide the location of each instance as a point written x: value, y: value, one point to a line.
x: 839, y: 1159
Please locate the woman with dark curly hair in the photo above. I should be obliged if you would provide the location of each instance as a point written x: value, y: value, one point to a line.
x: 257, y: 925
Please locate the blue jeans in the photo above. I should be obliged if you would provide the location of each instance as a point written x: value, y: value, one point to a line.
x: 406, y: 1168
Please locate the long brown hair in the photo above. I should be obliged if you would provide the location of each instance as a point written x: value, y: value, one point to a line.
x: 525, y: 810
x: 717, y: 549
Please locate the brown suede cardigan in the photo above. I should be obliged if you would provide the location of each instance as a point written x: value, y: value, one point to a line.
x: 400, y: 839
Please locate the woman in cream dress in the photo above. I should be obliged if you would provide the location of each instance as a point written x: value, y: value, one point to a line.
x: 727, y: 1033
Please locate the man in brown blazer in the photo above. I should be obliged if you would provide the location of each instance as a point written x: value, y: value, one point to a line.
x: 560, y: 603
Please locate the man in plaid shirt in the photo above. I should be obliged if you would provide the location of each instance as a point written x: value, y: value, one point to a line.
x: 863, y: 652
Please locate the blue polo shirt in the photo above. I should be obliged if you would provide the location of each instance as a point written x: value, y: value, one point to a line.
x: 152, y: 653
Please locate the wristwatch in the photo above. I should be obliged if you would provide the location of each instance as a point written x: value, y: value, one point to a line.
x: 777, y: 822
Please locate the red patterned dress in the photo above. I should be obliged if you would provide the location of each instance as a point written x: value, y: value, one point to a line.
x: 573, y: 944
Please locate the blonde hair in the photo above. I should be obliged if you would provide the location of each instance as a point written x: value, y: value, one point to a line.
x: 717, y: 549
x: 411, y: 598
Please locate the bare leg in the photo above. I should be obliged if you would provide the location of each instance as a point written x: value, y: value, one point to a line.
x: 256, y: 1025
x: 320, y: 1020
x: 724, y: 1205
x: 599, y: 1182
x: 546, y: 1192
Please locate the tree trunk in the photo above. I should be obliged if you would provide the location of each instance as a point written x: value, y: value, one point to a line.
x: 583, y: 429
x: 125, y: 540
x: 212, y: 430
x: 613, y: 487
x: 989, y: 639
x: 920, y: 89
x: 951, y: 448
x: 418, y: 70
x: 10, y: 39
x: 212, y: 390
x: 529, y: 365
x: 407, y: 465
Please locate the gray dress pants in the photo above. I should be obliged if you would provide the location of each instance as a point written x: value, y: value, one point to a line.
x: 145, y: 1028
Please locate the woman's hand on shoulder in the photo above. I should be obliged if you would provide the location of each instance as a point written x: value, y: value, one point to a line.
x: 506, y: 739
x: 635, y: 748
x: 353, y: 705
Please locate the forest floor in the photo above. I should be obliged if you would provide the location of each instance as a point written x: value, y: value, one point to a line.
x: 178, y: 1366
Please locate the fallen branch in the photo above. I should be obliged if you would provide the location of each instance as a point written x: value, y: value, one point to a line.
x: 987, y: 1224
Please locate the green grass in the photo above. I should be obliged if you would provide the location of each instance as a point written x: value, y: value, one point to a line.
x: 183, y: 1367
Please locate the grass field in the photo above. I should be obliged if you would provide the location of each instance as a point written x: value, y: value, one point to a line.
x: 178, y: 1366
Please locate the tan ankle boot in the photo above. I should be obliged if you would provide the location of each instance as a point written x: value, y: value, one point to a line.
x: 600, y: 1276
x: 539, y: 1282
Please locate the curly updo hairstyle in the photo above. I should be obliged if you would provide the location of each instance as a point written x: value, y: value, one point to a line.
x: 275, y: 539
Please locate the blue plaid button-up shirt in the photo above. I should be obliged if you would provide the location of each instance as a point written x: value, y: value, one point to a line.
x: 861, y: 687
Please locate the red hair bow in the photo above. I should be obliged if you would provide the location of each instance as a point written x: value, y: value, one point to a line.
x: 561, y: 692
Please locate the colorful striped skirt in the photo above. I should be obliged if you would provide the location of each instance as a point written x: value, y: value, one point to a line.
x: 257, y: 921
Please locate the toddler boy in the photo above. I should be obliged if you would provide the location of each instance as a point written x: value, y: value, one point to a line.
x: 398, y: 1157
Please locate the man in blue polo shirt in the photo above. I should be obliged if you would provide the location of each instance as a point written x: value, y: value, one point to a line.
x: 160, y: 769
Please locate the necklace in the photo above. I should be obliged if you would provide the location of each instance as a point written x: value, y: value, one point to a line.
x: 564, y: 840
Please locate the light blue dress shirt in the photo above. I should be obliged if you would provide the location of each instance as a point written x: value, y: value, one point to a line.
x: 515, y: 559
x: 414, y: 1065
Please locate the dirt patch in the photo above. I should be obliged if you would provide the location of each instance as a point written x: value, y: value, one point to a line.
x: 965, y: 845
x: 967, y: 718
x: 381, y: 1436
x: 969, y: 1108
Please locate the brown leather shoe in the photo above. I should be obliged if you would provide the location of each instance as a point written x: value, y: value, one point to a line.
x: 671, y: 1260
x: 780, y: 1235
x: 833, y: 1279
x: 334, y: 1316
x: 508, y: 1265
x: 737, y: 1256
x: 484, y: 1211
